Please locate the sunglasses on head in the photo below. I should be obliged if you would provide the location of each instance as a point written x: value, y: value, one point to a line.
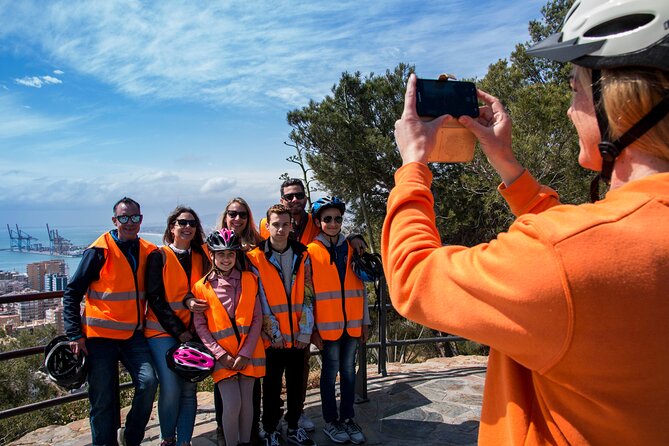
x: 242, y: 214
x: 328, y: 219
x: 123, y: 219
x: 183, y: 222
x: 298, y: 195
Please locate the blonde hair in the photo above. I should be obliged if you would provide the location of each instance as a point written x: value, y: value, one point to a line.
x: 249, y: 236
x: 629, y: 94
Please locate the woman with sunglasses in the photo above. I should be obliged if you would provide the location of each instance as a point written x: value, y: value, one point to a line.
x: 237, y: 217
x: 341, y: 324
x: 171, y: 272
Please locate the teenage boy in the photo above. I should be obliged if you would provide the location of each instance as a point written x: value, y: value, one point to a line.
x: 110, y: 278
x: 286, y: 296
x: 341, y: 318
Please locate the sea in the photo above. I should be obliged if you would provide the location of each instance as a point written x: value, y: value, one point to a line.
x: 79, y: 236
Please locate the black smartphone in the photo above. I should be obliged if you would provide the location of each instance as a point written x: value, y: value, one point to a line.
x: 435, y: 98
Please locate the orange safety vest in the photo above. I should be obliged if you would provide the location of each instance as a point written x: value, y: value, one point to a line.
x: 220, y: 326
x: 335, y: 308
x: 176, y: 286
x: 115, y: 303
x: 308, y: 235
x: 287, y: 312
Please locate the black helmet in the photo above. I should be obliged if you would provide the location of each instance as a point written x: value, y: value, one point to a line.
x: 367, y: 266
x: 328, y: 202
x: 190, y: 360
x: 223, y: 240
x: 62, y: 366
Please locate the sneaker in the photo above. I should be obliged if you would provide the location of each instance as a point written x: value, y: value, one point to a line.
x: 299, y: 437
x: 169, y: 442
x: 272, y: 439
x: 305, y: 423
x: 336, y: 432
x: 120, y: 436
x: 354, y: 432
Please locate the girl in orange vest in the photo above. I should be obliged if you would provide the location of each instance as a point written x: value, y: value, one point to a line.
x: 230, y: 329
x: 341, y: 318
x: 237, y: 217
x: 170, y: 273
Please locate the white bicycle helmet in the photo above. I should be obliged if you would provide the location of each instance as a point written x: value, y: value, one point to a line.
x: 611, y: 33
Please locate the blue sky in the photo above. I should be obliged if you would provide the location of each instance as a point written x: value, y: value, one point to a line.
x: 185, y: 101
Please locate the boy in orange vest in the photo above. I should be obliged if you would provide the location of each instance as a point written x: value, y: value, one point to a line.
x: 286, y: 295
x: 341, y: 318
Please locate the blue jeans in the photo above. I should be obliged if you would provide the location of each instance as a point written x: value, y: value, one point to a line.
x: 338, y: 356
x: 103, y: 357
x: 177, y: 399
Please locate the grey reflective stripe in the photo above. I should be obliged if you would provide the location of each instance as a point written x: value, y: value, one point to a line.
x: 222, y: 334
x: 257, y: 362
x: 339, y: 325
x: 297, y: 308
x: 112, y: 297
x: 328, y: 295
x: 282, y: 308
x: 243, y: 329
x: 177, y: 306
x: 354, y: 323
x: 330, y: 325
x: 154, y: 325
x: 114, y: 325
x: 141, y: 295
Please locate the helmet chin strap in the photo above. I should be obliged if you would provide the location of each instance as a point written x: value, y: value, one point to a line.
x: 610, y: 150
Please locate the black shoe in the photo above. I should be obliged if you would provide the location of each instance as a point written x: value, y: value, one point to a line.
x: 299, y: 437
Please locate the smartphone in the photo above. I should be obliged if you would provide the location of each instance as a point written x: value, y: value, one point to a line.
x: 435, y: 98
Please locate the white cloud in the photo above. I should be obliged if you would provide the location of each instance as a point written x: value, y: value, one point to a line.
x: 21, y: 121
x: 240, y: 53
x: 37, y: 81
x: 59, y: 72
x: 215, y: 185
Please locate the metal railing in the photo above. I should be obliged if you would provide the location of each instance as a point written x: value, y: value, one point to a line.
x: 381, y: 306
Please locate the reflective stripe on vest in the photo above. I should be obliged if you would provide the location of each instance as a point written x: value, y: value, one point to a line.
x: 218, y: 323
x: 115, y: 306
x: 176, y: 286
x: 334, y: 308
x: 275, y: 292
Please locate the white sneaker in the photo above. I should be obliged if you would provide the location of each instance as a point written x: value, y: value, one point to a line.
x: 305, y: 423
x: 120, y: 436
x: 336, y: 432
x: 354, y: 432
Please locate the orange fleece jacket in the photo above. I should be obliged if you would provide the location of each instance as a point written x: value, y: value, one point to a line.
x: 572, y: 300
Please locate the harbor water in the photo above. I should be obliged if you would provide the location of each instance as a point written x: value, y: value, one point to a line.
x: 78, y: 235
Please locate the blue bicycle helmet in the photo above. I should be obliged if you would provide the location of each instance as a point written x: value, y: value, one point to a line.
x: 328, y: 202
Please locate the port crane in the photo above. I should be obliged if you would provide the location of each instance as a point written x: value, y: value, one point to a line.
x: 19, y: 240
x: 57, y: 243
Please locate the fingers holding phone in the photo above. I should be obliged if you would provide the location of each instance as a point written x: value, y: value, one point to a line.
x: 492, y: 128
x: 415, y: 138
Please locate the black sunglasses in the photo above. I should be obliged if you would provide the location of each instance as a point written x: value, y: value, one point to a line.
x: 298, y: 195
x: 328, y: 219
x: 183, y: 223
x: 123, y: 219
x: 242, y: 214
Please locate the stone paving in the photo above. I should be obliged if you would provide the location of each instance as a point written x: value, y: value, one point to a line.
x: 437, y: 402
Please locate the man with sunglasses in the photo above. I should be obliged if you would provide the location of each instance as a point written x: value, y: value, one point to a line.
x: 294, y: 198
x: 110, y: 278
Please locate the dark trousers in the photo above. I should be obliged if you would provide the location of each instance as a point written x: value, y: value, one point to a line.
x: 290, y: 361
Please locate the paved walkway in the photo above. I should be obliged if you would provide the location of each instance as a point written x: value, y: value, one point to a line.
x: 437, y: 402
